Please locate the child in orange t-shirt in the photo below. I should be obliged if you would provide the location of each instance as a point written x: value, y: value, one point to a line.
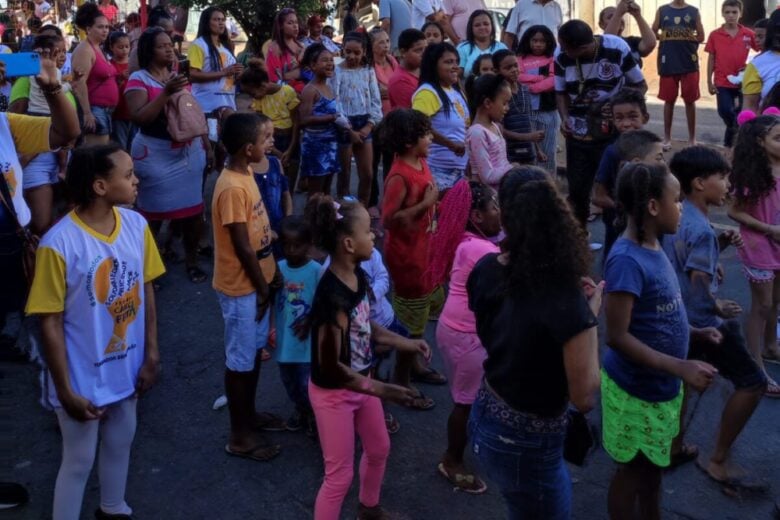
x: 244, y: 268
x: 407, y: 213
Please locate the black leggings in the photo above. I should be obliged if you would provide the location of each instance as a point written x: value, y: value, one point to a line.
x: 387, y: 160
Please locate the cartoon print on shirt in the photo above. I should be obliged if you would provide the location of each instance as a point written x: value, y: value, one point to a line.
x: 120, y: 291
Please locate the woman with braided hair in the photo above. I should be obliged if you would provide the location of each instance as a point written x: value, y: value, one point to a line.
x: 468, y: 219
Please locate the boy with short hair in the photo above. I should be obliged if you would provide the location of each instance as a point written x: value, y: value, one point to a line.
x: 694, y: 251
x: 405, y: 79
x: 728, y: 49
x: 629, y: 113
x: 679, y: 30
x: 243, y: 269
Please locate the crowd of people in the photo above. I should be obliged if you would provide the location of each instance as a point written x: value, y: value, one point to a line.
x: 458, y: 217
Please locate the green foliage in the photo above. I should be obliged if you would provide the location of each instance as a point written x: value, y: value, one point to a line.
x: 256, y: 17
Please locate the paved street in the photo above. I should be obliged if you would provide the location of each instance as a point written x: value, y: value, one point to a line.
x: 180, y: 471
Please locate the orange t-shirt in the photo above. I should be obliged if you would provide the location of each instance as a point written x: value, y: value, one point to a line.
x: 237, y: 199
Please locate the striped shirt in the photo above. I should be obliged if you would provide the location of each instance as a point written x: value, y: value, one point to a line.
x: 590, y: 83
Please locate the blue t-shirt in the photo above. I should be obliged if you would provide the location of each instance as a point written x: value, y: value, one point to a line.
x: 658, y: 318
x: 606, y: 175
x: 293, y: 305
x: 273, y: 184
x: 695, y: 248
x: 399, y: 12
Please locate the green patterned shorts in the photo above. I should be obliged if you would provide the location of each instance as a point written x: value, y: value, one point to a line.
x: 631, y: 425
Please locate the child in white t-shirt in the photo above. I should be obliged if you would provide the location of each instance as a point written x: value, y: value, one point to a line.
x: 93, y: 293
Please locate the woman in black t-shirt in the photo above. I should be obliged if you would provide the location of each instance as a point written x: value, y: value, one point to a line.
x: 535, y: 317
x: 344, y: 397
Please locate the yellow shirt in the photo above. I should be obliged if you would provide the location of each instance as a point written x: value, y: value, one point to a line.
x: 237, y: 200
x: 426, y: 102
x: 278, y: 106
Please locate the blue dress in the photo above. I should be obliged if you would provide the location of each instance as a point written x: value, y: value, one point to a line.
x: 319, y: 143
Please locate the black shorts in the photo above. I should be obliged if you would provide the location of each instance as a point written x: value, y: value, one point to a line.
x: 731, y: 357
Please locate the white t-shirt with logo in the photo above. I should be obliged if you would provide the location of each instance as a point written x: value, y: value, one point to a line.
x: 97, y: 282
x: 220, y: 92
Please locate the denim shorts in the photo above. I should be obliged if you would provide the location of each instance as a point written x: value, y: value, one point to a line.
x: 103, y: 117
x: 42, y: 170
x: 244, y: 336
x: 446, y: 178
x: 731, y: 358
x: 356, y: 122
x: 522, y: 454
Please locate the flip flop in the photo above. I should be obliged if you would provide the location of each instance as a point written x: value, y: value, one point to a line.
x: 460, y: 480
x: 686, y: 454
x: 430, y: 377
x: 421, y: 402
x: 391, y: 423
x: 252, y: 453
x: 666, y: 146
x: 772, y: 389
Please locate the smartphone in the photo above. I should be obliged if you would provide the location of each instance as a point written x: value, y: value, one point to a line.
x: 21, y: 64
x: 184, y: 68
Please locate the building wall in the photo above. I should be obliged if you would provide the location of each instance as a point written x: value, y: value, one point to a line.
x: 711, y: 19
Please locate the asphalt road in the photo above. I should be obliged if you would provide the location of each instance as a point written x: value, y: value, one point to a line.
x: 180, y: 471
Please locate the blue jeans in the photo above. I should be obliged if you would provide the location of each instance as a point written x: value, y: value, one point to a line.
x: 522, y: 454
x: 295, y: 378
x: 729, y: 106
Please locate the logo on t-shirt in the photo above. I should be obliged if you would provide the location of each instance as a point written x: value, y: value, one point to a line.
x: 7, y: 171
x: 112, y: 284
x: 606, y: 70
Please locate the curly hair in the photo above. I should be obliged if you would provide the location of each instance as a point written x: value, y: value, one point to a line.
x: 751, y: 174
x: 546, y: 244
x: 402, y: 128
x: 637, y: 184
x: 454, y: 211
x: 254, y: 75
x: 86, y: 15
x: 330, y: 221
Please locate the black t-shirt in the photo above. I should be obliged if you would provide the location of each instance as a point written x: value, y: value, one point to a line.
x: 331, y: 298
x: 524, y: 338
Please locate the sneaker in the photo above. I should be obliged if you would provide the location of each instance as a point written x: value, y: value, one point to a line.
x: 372, y: 513
x: 100, y: 515
x: 12, y: 495
x: 295, y: 422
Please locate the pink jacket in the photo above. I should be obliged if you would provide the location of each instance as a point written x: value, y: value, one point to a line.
x: 529, y: 67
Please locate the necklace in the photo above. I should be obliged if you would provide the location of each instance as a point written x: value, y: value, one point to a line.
x: 580, y: 76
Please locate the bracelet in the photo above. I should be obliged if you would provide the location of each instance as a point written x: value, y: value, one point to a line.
x: 52, y: 91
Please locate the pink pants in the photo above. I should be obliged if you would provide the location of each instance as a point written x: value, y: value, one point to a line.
x: 341, y: 413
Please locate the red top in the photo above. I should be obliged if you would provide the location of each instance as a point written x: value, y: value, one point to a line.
x: 731, y: 53
x: 402, y: 85
x: 277, y: 65
x: 101, y: 82
x: 111, y: 12
x: 406, y: 247
x: 121, y: 113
